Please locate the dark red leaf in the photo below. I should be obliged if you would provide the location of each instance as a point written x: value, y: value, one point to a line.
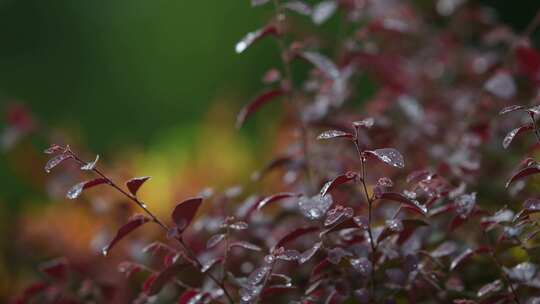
x: 133, y: 223
x: 274, y: 198
x: 341, y: 179
x: 76, y: 190
x: 293, y: 235
x: 255, y: 104
x: 408, y: 203
x: 56, y: 269
x: 135, y: 183
x: 187, y: 296
x: 466, y: 255
x: 185, y: 211
x: 162, y: 278
x: 515, y: 132
x: 522, y: 174
x: 272, y: 290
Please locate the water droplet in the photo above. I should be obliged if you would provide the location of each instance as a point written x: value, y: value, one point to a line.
x: 394, y: 225
x: 239, y: 225
x: 308, y: 254
x: 490, y: 288
x: 143, y: 205
x: 362, y: 265
x: 105, y: 251
x: 333, y: 134
x: 364, y: 123
x: 75, y: 191
x: 389, y: 156
x: 289, y: 255
x: 55, y: 161
x: 316, y: 206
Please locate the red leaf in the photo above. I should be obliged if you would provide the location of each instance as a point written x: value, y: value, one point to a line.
x: 187, y: 296
x: 252, y: 37
x: 522, y: 174
x: 133, y: 223
x: 274, y: 164
x: 76, y: 190
x: 162, y: 278
x: 408, y: 203
x: 185, y: 211
x: 467, y: 254
x: 255, y: 104
x: 341, y: 179
x: 510, y: 109
x: 135, y: 183
x: 293, y: 235
x: 56, y: 269
x: 274, y: 198
x: 330, y: 134
x: 515, y: 132
x: 389, y: 156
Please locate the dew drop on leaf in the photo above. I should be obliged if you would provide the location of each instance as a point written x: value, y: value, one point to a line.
x: 214, y: 240
x: 316, y: 206
x: 389, y: 156
x: 55, y: 161
x: 75, y: 191
x: 90, y: 166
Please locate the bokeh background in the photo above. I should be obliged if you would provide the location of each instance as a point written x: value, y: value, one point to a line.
x: 151, y: 86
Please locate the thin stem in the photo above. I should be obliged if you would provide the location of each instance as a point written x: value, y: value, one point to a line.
x: 156, y: 220
x: 226, y: 255
x: 290, y: 92
x: 373, y: 282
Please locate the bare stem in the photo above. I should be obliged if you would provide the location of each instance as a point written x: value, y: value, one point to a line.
x: 369, y: 200
x: 156, y: 220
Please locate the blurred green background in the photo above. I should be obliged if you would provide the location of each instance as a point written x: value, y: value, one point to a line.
x: 138, y: 73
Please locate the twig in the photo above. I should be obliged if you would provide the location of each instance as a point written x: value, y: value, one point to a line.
x: 156, y: 220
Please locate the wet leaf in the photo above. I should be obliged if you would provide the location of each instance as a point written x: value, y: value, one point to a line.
x: 523, y: 272
x: 185, y: 211
x: 246, y: 245
x: 315, y: 207
x: 408, y: 203
x: 76, y: 190
x: 490, y: 288
x: 91, y: 165
x: 322, y: 63
x: 255, y: 104
x: 510, y: 109
x: 364, y: 123
x: 308, y: 254
x: 188, y: 297
x: 135, y: 183
x: 54, y: 148
x: 523, y: 173
x: 209, y: 264
x: 330, y: 134
x: 275, y: 198
x: 214, y: 240
x: 55, y: 161
x: 252, y: 37
x: 341, y: 179
x: 389, y: 156
x: 133, y: 223
x: 515, y: 132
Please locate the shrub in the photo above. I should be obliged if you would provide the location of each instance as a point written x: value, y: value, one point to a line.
x: 352, y: 220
